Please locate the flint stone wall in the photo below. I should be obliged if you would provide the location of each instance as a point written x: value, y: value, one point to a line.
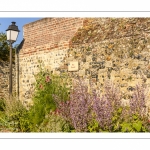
x: 4, y: 79
x: 116, y: 49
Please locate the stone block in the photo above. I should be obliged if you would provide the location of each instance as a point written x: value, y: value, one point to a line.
x: 86, y: 65
x: 81, y: 73
x: 108, y: 64
x: 89, y: 58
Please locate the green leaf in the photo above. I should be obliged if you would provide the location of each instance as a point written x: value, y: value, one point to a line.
x: 114, y: 118
x: 126, y: 127
x: 135, y: 117
x: 137, y: 126
x: 143, y: 129
x: 119, y: 110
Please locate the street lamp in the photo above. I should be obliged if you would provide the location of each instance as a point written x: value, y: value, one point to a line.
x: 12, y: 34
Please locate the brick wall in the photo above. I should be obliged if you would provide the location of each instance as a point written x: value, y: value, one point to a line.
x: 46, y: 39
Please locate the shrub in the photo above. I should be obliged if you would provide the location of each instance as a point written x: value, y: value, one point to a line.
x: 14, y: 111
x: 54, y: 110
x: 47, y: 84
x: 54, y: 123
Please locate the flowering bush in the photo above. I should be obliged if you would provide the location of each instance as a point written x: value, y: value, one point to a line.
x: 78, y: 109
x: 57, y: 108
x: 138, y: 102
x: 89, y: 112
x: 93, y: 113
x: 47, y: 84
x: 105, y: 106
x: 80, y: 106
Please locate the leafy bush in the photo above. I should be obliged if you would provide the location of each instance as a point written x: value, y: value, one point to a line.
x: 47, y: 84
x: 14, y: 111
x: 56, y: 108
x: 93, y: 126
x: 134, y: 118
x: 54, y: 123
x: 18, y: 119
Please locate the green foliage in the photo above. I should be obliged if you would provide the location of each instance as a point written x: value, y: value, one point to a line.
x: 93, y: 126
x: 54, y: 123
x: 47, y: 85
x: 17, y: 118
x: 126, y: 127
x: 2, y: 104
x: 124, y: 122
x: 133, y: 126
x: 45, y: 116
x: 116, y: 119
x: 14, y: 111
x: 4, y: 48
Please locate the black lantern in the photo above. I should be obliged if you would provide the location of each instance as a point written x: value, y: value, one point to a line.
x: 12, y: 32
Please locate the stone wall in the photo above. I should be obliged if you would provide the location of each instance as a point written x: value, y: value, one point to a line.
x: 116, y: 49
x: 4, y: 79
x: 47, y: 40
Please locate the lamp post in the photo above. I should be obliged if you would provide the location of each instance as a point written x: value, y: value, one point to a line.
x: 12, y: 34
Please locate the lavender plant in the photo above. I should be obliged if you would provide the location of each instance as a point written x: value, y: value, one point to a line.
x: 106, y: 106
x: 80, y: 106
x: 138, y: 101
x: 138, y: 113
x: 78, y: 109
x: 90, y: 112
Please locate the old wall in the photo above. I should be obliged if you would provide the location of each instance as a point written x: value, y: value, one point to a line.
x: 47, y: 40
x: 4, y: 79
x: 116, y: 49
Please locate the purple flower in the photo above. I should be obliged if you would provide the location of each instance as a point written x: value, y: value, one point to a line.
x: 138, y: 101
x: 105, y: 106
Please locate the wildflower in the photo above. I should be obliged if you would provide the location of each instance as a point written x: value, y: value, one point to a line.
x: 57, y: 111
x: 47, y: 79
x: 41, y: 86
x: 137, y: 102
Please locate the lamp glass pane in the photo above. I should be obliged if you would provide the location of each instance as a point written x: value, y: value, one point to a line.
x: 12, y: 35
x: 8, y: 35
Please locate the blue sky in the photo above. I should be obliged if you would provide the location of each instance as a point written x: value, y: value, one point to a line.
x: 20, y: 22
